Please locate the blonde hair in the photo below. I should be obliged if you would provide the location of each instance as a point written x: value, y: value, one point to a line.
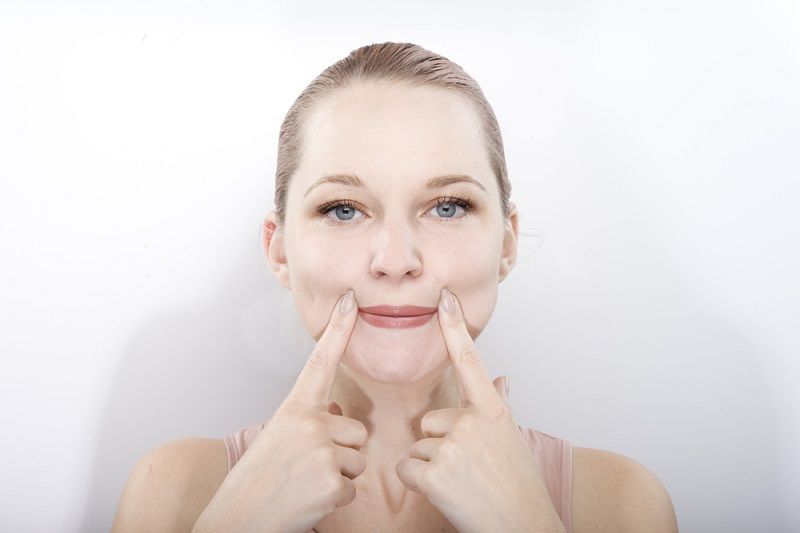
x: 405, y: 62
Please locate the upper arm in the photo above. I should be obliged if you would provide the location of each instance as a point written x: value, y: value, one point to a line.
x: 614, y: 493
x: 171, y: 485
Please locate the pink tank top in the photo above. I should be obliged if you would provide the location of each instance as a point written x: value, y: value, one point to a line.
x: 553, y: 455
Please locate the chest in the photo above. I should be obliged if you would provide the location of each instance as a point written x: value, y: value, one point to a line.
x: 358, y: 520
x: 365, y: 514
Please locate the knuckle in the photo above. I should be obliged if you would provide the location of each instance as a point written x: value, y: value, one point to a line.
x: 337, y: 326
x: 329, y: 507
x: 430, y: 480
x: 310, y: 425
x: 333, y: 485
x: 466, y: 423
x: 453, y: 322
x: 318, y: 359
x: 325, y: 455
x: 448, y: 449
x: 469, y: 355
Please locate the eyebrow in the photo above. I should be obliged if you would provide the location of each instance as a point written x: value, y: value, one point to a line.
x: 434, y: 183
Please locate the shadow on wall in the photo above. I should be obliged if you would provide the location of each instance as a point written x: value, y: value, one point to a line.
x: 196, y: 373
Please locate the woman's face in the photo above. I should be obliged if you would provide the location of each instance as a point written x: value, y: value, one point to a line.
x: 392, y: 244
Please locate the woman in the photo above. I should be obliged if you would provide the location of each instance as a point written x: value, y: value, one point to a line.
x: 392, y: 230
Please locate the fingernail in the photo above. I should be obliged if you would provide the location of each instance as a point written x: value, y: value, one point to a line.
x: 346, y: 305
x: 447, y: 301
x: 506, y: 384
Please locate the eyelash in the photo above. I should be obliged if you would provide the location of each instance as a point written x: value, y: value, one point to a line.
x: 462, y: 201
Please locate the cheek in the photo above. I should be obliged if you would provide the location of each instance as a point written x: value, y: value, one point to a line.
x: 471, y: 260
x: 320, y: 271
x: 323, y: 263
x: 471, y: 271
x: 477, y: 297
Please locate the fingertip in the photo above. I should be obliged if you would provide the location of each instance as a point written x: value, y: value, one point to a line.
x: 447, y: 301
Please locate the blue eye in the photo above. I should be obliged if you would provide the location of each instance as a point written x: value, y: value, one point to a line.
x: 445, y: 207
x: 344, y: 208
x: 450, y: 207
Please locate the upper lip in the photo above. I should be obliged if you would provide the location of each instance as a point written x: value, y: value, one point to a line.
x: 398, y: 310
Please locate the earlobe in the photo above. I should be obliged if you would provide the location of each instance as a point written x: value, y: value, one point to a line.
x: 510, y: 237
x: 272, y: 240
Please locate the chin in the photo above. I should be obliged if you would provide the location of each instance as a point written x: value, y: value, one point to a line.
x: 396, y: 356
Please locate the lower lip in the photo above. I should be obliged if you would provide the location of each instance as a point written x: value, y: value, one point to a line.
x: 382, y: 321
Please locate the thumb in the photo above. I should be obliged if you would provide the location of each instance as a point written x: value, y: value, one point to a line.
x: 334, y: 409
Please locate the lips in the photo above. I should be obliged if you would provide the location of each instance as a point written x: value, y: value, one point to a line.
x: 396, y: 316
x: 398, y: 310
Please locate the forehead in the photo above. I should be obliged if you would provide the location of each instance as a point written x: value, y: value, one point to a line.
x: 390, y: 130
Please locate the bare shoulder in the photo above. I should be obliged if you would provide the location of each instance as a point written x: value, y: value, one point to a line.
x: 611, y: 492
x: 171, y: 485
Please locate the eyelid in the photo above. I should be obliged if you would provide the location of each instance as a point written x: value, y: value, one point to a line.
x: 460, y: 201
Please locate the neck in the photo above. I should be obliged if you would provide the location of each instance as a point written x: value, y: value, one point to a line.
x: 392, y: 414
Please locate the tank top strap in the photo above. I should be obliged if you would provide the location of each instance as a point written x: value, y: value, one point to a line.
x: 554, y: 457
x: 237, y: 443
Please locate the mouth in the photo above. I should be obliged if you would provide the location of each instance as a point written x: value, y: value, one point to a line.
x: 398, y: 310
x: 391, y: 316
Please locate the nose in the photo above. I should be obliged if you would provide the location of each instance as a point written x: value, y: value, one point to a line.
x: 395, y: 251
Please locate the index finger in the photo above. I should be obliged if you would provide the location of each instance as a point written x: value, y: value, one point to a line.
x: 470, y: 371
x: 314, y: 383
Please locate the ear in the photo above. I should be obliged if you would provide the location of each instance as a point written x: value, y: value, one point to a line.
x: 510, y: 237
x: 272, y: 239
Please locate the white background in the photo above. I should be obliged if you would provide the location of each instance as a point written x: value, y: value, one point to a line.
x: 653, y: 153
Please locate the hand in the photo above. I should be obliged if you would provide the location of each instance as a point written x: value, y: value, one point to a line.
x: 475, y: 465
x: 301, y: 465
